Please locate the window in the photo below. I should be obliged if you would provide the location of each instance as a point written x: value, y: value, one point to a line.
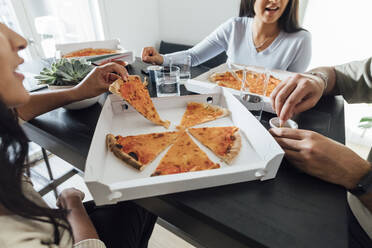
x: 50, y: 22
x: 341, y: 33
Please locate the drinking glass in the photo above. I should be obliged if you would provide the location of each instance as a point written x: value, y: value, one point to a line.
x: 253, y: 87
x: 168, y: 81
x: 185, y: 67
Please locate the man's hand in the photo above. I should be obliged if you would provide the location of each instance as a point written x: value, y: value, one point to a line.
x: 150, y: 55
x: 99, y: 80
x: 295, y: 95
x: 321, y: 157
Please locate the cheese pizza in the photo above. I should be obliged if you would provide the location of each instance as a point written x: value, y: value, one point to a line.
x: 197, y: 113
x: 136, y: 94
x: 184, y: 156
x: 225, y: 142
x: 140, y: 150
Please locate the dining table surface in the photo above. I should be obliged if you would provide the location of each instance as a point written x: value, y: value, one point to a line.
x: 292, y: 210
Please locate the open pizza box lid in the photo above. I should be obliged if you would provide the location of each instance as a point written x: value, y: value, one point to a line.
x: 122, y: 54
x: 110, y: 180
x: 203, y: 85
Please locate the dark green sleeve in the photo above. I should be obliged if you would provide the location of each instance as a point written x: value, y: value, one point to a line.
x: 354, y: 81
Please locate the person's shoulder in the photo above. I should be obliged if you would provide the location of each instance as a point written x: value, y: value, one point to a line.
x: 299, y: 35
x: 240, y: 20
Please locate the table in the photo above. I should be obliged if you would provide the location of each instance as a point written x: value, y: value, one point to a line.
x: 293, y: 210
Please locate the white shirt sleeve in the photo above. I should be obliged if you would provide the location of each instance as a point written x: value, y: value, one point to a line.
x: 303, y: 56
x: 90, y: 243
x: 210, y: 47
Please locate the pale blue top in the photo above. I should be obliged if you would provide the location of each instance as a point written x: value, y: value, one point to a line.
x: 289, y: 51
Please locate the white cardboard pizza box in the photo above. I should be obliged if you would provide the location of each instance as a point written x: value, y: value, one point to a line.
x: 110, y: 180
x: 122, y: 54
x: 202, y: 85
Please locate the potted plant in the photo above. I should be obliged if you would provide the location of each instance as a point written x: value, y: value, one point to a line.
x: 366, y: 123
x: 66, y: 73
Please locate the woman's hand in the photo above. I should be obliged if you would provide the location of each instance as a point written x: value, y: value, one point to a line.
x: 99, y: 80
x: 295, y: 95
x: 70, y: 198
x: 150, y: 55
x: 321, y: 157
x: 82, y: 227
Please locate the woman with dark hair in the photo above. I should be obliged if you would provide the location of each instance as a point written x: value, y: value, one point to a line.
x: 25, y: 219
x: 266, y: 33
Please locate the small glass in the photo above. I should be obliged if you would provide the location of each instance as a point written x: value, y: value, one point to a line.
x: 253, y: 88
x: 168, y: 81
x: 153, y: 69
x: 185, y: 66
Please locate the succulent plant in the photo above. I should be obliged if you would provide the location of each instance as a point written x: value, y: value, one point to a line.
x: 65, y: 72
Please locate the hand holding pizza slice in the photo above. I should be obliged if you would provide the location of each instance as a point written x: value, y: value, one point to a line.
x: 136, y: 94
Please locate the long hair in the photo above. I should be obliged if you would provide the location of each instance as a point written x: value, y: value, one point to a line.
x: 288, y: 21
x: 13, y: 152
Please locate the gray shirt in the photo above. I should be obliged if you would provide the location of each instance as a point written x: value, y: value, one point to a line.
x: 354, y: 82
x: 289, y: 51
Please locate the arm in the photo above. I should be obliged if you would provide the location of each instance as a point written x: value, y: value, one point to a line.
x: 303, y: 54
x: 82, y: 227
x: 302, y: 91
x: 97, y: 82
x: 210, y: 47
x: 323, y: 158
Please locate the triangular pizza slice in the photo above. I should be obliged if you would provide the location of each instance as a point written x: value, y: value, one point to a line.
x: 197, y: 113
x: 136, y: 94
x: 140, y: 150
x: 184, y: 156
x: 225, y: 142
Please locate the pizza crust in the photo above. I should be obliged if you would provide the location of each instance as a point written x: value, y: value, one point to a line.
x: 112, y: 145
x: 235, y: 149
x: 225, y: 112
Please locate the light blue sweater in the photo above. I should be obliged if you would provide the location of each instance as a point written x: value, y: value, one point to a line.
x: 289, y: 51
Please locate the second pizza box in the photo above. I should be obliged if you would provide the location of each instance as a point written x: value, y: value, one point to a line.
x: 121, y: 54
x: 203, y: 85
x: 110, y: 180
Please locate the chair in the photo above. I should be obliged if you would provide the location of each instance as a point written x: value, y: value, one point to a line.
x: 167, y: 47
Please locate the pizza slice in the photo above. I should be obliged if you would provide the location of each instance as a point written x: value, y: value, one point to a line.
x: 184, y: 156
x: 89, y: 52
x: 225, y: 142
x: 138, y: 151
x: 197, y: 113
x: 136, y: 94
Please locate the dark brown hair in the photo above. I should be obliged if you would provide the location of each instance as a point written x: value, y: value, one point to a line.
x: 287, y: 22
x: 13, y: 153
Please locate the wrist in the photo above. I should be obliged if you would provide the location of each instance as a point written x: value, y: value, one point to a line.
x: 73, y: 202
x: 360, y: 173
x: 320, y: 77
x: 74, y: 94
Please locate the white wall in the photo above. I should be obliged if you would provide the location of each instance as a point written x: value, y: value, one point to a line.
x: 134, y: 22
x: 140, y: 23
x: 189, y: 21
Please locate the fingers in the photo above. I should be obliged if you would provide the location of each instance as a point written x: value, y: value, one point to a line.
x: 148, y: 53
x: 289, y: 133
x: 288, y: 144
x: 298, y: 96
x: 111, y: 68
x: 275, y: 92
x: 284, y: 93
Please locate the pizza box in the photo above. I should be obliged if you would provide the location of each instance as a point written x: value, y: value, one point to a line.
x: 122, y: 54
x: 202, y: 85
x: 110, y: 180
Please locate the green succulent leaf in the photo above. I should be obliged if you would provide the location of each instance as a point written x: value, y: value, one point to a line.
x: 65, y: 72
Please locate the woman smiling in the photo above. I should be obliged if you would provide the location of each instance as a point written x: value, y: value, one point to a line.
x: 266, y: 33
